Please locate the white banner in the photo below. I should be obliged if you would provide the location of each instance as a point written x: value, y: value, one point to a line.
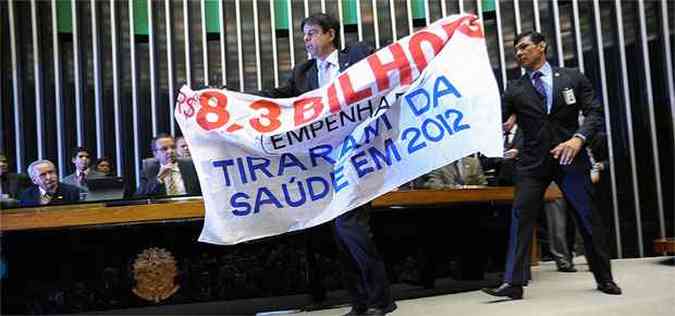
x: 270, y: 166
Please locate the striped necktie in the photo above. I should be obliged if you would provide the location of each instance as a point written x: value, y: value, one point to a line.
x: 171, y: 186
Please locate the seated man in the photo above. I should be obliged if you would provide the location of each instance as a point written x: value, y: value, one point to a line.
x: 168, y: 176
x: 81, y: 158
x: 47, y: 189
x: 182, y: 149
x: 465, y: 171
x: 11, y: 184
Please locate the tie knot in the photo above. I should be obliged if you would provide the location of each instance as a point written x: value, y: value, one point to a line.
x: 536, y: 75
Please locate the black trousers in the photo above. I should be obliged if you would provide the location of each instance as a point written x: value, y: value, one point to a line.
x: 575, y: 184
x: 364, y: 273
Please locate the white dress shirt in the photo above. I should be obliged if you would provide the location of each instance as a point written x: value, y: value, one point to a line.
x: 328, y: 68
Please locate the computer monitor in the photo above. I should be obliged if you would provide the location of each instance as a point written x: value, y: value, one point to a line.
x: 105, y: 188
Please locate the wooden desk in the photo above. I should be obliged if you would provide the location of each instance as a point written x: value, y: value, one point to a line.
x: 80, y: 215
x: 664, y: 245
x: 498, y: 195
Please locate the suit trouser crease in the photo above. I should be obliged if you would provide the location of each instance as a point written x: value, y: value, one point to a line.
x: 577, y: 190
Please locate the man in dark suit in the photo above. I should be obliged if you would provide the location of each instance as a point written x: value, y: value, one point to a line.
x: 11, y: 184
x: 47, y: 190
x: 364, y: 271
x: 546, y: 102
x: 168, y: 175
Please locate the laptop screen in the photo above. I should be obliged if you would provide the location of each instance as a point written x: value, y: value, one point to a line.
x: 106, y: 188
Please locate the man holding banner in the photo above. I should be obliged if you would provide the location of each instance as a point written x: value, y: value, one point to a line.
x: 546, y: 102
x: 364, y: 273
x: 345, y: 129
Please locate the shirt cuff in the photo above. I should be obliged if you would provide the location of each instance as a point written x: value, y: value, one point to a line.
x: 580, y: 136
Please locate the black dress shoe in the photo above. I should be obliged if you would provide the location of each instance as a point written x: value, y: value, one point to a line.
x: 381, y: 311
x: 506, y: 290
x: 567, y: 269
x: 609, y: 287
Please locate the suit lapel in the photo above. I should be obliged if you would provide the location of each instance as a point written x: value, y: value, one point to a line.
x: 531, y: 92
x: 313, y: 76
x: 555, y: 90
x: 36, y: 195
x: 58, y: 196
x: 344, y: 61
x: 184, y: 170
x: 451, y: 172
x: 154, y: 169
x: 313, y: 71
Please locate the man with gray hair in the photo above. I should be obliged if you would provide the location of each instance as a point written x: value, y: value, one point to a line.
x: 46, y: 187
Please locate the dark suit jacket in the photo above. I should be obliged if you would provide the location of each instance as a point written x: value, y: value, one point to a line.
x: 14, y: 183
x: 542, y: 131
x: 65, y: 193
x: 150, y: 186
x: 304, y: 77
